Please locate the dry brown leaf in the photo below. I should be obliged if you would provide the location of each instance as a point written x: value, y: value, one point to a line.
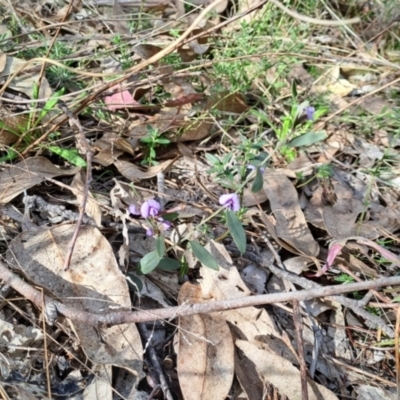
x: 92, y: 206
x: 16, y: 178
x: 291, y: 226
x: 93, y: 283
x: 340, y: 219
x: 333, y: 82
x: 146, y: 51
x: 227, y: 102
x: 24, y: 82
x: 13, y: 126
x: 102, y: 387
x: 133, y: 172
x: 281, y: 373
x: 196, y: 130
x: 206, y: 352
x: 110, y: 147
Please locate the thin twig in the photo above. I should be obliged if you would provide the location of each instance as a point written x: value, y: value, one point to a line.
x: 300, y: 349
x: 126, y: 317
x: 353, y: 305
x: 83, y: 148
x: 154, y: 360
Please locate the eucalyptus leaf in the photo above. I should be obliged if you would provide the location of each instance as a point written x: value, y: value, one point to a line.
x: 204, y: 256
x: 149, y: 262
x: 236, y: 230
x: 307, y: 139
x: 160, y: 246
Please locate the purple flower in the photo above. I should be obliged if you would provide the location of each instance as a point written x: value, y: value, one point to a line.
x: 149, y: 232
x: 133, y: 209
x: 230, y: 201
x: 253, y: 167
x: 165, y: 224
x: 310, y: 113
x: 150, y: 208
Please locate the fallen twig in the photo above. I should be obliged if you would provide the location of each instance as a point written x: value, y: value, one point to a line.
x: 300, y: 349
x: 83, y: 148
x: 353, y: 305
x: 126, y: 317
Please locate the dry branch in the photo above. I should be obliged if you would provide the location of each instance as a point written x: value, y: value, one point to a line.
x: 123, y: 317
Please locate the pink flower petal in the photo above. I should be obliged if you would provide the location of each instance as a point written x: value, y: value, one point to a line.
x: 120, y: 99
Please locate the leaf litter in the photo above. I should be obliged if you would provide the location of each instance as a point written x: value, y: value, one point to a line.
x: 273, y: 170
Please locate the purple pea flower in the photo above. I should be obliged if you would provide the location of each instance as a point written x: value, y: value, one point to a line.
x: 230, y: 201
x: 150, y: 208
x: 310, y: 110
x: 133, y: 209
x: 165, y: 224
x: 149, y: 232
x: 253, y: 167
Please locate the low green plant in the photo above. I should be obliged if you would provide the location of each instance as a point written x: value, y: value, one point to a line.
x: 152, y: 140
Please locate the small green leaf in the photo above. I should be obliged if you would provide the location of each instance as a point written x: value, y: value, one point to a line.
x: 307, y: 139
x: 396, y: 299
x: 258, y: 182
x: 160, y: 246
x: 71, y: 155
x: 163, y: 141
x: 50, y: 104
x: 169, y: 264
x: 170, y: 216
x: 204, y: 256
x: 149, y: 262
x: 236, y: 230
x: 134, y: 282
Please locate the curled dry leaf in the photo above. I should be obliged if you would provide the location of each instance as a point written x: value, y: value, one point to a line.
x: 16, y: 178
x: 134, y: 173
x: 109, y: 147
x: 206, y: 351
x: 291, y: 226
x: 24, y: 82
x: 93, y: 283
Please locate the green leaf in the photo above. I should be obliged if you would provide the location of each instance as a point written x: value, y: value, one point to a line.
x: 163, y: 141
x: 149, y: 262
x: 71, y: 155
x: 236, y: 230
x: 50, y: 104
x: 169, y: 264
x: 204, y: 256
x: 294, y: 89
x: 258, y: 182
x: 307, y: 139
x: 134, y: 282
x: 160, y: 246
x: 170, y: 216
x: 396, y: 299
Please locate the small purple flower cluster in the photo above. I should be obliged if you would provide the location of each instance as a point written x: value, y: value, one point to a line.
x: 230, y: 201
x: 310, y: 111
x: 150, y: 209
